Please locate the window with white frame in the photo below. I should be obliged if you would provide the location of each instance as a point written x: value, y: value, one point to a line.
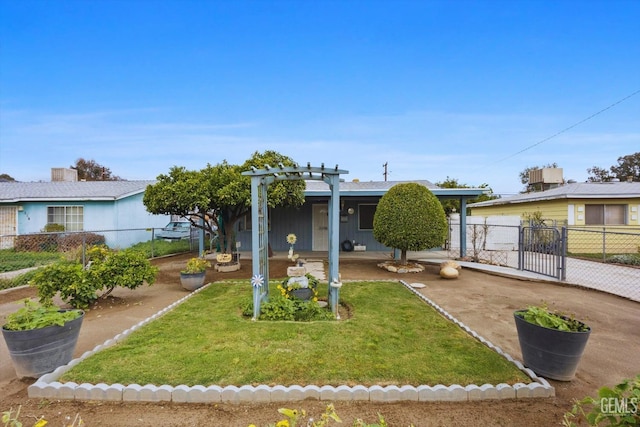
x: 365, y: 216
x: 605, y: 214
x: 72, y: 217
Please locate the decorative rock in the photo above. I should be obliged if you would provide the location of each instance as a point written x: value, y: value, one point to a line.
x: 395, y: 267
x: 449, y: 273
x: 450, y: 263
x: 417, y: 285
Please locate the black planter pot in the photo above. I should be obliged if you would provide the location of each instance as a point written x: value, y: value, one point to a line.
x: 36, y: 352
x: 550, y: 353
x: 304, y: 294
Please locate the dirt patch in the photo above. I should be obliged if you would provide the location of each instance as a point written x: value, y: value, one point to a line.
x: 483, y: 302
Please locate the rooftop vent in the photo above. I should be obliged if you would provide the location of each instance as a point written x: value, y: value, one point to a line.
x: 545, y: 176
x: 64, y: 175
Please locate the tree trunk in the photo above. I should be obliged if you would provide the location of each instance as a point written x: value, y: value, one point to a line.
x: 403, y: 257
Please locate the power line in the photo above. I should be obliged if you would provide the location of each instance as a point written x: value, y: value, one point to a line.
x: 570, y: 127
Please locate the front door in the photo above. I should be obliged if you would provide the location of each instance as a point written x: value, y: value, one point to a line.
x: 320, y: 234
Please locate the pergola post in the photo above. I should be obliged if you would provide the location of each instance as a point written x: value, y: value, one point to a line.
x: 463, y: 227
x: 334, y: 246
x: 260, y: 181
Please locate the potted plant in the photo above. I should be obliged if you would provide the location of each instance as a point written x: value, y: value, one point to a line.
x: 303, y: 287
x: 551, y: 343
x: 41, y: 337
x: 192, y: 277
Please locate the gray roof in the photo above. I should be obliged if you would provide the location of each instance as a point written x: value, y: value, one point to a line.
x: 576, y: 190
x: 379, y: 188
x: 13, y: 192
x: 313, y: 186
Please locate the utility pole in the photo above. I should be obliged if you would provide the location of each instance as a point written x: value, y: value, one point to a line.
x: 385, y: 173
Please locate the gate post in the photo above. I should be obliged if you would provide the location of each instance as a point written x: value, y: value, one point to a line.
x: 563, y: 254
x: 520, y: 247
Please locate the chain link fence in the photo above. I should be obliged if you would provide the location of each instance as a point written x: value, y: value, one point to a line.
x: 24, y: 251
x: 607, y: 259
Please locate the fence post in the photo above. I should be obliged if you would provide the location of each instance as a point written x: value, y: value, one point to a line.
x: 563, y: 254
x: 604, y: 244
x: 153, y: 240
x: 520, y: 247
x: 84, y: 249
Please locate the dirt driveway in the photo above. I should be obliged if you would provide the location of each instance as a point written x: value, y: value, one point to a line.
x: 484, y: 302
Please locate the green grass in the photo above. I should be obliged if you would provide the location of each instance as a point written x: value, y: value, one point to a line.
x: 10, y: 260
x: 160, y: 247
x: 392, y: 338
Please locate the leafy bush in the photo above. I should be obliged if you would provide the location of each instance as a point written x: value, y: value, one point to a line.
x: 617, y: 406
x: 281, y: 308
x: 126, y: 269
x: 541, y: 316
x: 54, y: 242
x: 68, y: 278
x: 53, y: 228
x: 196, y: 265
x: 37, y: 316
x: 628, y: 259
x: 36, y: 243
x: 71, y: 241
x: 79, y: 285
x: 410, y: 217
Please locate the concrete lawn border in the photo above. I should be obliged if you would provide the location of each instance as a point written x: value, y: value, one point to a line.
x: 48, y: 386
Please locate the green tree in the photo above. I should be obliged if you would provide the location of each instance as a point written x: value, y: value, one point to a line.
x: 90, y: 170
x: 628, y: 167
x: 598, y: 174
x: 6, y: 178
x: 409, y: 217
x: 216, y: 197
x: 453, y: 205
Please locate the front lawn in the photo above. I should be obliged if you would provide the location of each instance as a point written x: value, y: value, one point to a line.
x: 392, y: 337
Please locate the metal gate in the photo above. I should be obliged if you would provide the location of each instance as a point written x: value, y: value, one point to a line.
x: 543, y: 250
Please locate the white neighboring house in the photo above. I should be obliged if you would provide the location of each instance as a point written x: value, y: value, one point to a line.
x: 92, y: 206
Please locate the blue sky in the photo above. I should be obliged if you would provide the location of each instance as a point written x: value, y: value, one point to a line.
x: 470, y: 90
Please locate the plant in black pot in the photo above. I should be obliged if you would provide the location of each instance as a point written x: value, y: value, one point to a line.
x: 193, y: 276
x: 551, y: 343
x: 41, y: 338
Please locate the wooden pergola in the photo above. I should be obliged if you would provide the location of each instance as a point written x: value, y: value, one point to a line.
x: 260, y: 181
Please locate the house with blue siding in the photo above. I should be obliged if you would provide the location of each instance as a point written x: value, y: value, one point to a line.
x: 95, y: 206
x: 358, y: 202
